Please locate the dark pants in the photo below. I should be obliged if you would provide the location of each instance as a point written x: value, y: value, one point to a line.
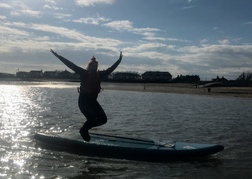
x: 92, y: 110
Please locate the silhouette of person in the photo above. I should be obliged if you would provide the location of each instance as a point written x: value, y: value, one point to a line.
x: 90, y: 87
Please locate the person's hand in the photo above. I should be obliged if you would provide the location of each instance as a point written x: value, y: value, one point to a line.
x: 54, y: 53
x: 121, y: 55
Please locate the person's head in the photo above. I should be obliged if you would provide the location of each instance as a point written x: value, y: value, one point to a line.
x: 92, y: 65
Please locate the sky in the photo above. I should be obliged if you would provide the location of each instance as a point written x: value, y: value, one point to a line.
x: 208, y: 38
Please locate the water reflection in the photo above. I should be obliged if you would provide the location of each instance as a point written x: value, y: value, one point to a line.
x: 15, y: 107
x: 14, y: 103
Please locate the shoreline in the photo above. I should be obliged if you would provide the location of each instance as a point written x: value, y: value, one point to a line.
x: 180, y: 88
x: 177, y: 88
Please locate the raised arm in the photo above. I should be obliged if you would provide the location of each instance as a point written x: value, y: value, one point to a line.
x: 68, y: 63
x: 113, y: 67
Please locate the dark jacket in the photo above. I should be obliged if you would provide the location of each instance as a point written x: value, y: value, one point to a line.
x: 90, y: 83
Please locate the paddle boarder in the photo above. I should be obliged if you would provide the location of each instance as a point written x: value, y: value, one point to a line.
x: 90, y: 87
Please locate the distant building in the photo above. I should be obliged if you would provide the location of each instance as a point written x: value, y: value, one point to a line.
x: 156, y: 76
x: 6, y: 75
x: 31, y: 74
x: 218, y: 79
x: 36, y: 74
x: 50, y: 74
x: 125, y: 76
x: 187, y: 78
x: 22, y: 74
x: 65, y: 74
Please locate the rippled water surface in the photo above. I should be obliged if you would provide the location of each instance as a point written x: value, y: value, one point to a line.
x: 28, y: 108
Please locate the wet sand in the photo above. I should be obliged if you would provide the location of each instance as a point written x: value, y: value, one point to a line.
x: 181, y: 88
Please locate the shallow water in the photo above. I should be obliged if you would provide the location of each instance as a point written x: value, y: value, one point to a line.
x: 27, y: 108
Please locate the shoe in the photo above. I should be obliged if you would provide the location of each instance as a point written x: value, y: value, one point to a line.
x: 84, y: 134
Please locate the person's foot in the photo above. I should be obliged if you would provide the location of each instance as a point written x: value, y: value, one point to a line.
x: 84, y: 134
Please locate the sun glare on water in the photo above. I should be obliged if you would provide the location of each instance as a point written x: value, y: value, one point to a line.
x: 15, y: 128
x: 13, y: 105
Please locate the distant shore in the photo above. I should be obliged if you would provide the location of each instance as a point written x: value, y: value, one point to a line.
x: 181, y: 88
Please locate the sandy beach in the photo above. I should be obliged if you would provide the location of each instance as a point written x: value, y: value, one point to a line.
x: 181, y: 88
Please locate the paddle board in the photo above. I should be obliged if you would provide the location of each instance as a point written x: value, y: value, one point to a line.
x: 129, y: 148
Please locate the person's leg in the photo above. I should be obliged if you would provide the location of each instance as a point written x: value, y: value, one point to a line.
x: 101, y: 117
x: 87, y: 107
x: 94, y: 113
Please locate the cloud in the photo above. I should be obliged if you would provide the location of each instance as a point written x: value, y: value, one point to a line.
x: 93, y: 2
x: 153, y: 38
x: 15, y: 13
x: 126, y: 25
x: 177, y: 40
x: 29, y: 12
x: 20, y: 9
x: 123, y: 25
x: 148, y: 33
x: 219, y: 56
x: 51, y: 2
x: 5, y: 6
x: 205, y: 59
x: 5, y: 31
x: 43, y: 38
x: 224, y: 42
x: 90, y: 20
x: 154, y: 51
x: 2, y: 17
x: 51, y: 7
x: 248, y: 23
x: 8, y: 37
x: 19, y: 4
x: 62, y: 16
x: 63, y: 38
x: 203, y: 41
x: 62, y: 31
x: 188, y: 7
x: 210, y: 60
x: 218, y: 49
x: 145, y: 47
x: 65, y: 32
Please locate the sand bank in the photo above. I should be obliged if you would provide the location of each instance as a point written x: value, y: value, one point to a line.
x: 180, y: 88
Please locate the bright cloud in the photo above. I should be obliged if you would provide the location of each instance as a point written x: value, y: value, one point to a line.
x: 90, y: 20
x: 126, y: 25
x: 30, y: 12
x: 123, y: 25
x: 6, y: 6
x: 64, y: 17
x: 93, y: 2
x: 51, y: 7
x: 2, y: 17
x: 51, y: 1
